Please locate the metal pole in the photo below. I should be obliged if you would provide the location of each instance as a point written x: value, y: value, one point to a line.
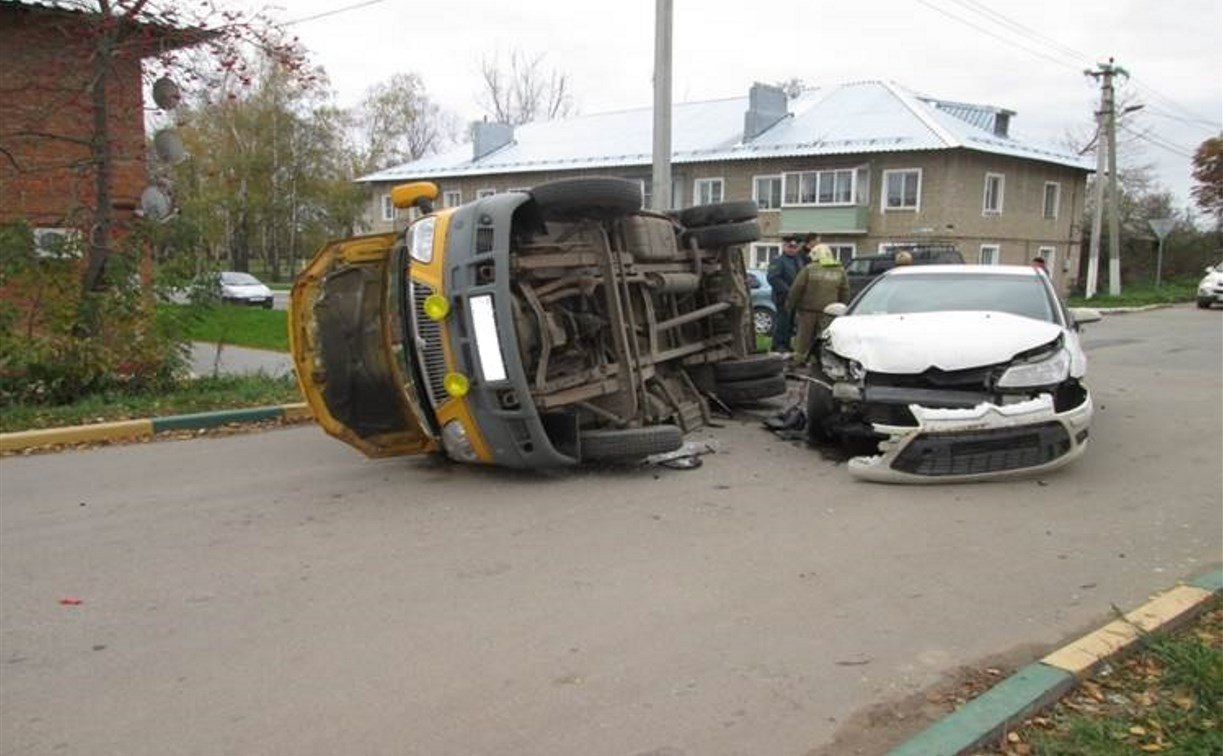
x: 1093, y: 253
x: 1114, y: 202
x: 662, y: 106
x: 1159, y: 263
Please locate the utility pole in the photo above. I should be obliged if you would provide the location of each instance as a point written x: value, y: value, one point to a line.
x: 661, y: 179
x: 1106, y: 149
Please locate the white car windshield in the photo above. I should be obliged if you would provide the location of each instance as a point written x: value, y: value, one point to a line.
x: 940, y: 292
x: 239, y: 279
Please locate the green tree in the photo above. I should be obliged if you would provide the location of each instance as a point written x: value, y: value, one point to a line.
x: 1208, y: 173
x: 398, y: 122
x: 270, y: 177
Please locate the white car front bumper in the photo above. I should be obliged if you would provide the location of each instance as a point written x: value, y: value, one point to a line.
x: 985, y: 442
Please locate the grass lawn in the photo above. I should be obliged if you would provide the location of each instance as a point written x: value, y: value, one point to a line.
x: 200, y: 395
x: 1167, y: 697
x: 1140, y: 294
x: 241, y: 326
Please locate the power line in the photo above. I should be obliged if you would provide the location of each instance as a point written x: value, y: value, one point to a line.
x: 1200, y: 122
x: 1035, y: 36
x: 333, y: 12
x: 1160, y: 142
x: 1024, y: 31
x: 997, y: 36
x: 1170, y: 102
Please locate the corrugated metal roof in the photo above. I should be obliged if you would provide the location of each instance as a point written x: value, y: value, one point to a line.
x: 857, y: 118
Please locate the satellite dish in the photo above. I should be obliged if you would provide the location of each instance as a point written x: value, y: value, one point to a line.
x: 169, y: 146
x: 154, y: 203
x: 166, y: 93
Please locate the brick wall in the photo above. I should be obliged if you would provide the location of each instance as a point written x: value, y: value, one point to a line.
x: 46, y: 175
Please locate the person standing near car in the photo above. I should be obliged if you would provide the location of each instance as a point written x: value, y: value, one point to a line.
x: 813, y: 247
x: 782, y: 272
x: 818, y: 285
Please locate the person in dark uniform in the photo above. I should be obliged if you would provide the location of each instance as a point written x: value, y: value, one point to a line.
x: 818, y: 285
x: 782, y: 272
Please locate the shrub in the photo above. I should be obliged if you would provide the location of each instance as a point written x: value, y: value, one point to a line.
x: 59, y: 343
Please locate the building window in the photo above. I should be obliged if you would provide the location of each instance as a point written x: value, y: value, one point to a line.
x: 994, y: 184
x: 1050, y: 256
x: 452, y: 198
x: 1053, y: 197
x: 707, y: 191
x: 902, y: 189
x: 482, y: 193
x: 843, y: 252
x: 766, y: 190
x: 821, y: 187
x: 763, y: 254
x: 57, y: 243
x: 990, y: 254
x: 388, y: 209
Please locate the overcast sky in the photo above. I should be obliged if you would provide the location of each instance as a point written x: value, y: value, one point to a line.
x: 1025, y: 55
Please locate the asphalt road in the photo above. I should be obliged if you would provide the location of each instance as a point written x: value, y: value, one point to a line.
x: 275, y: 593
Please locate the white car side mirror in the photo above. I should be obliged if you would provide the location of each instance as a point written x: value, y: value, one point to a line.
x: 836, y: 309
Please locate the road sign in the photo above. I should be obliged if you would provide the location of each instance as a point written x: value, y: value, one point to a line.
x: 1161, y: 227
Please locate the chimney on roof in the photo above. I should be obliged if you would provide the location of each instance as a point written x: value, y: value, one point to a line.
x: 1002, y: 123
x: 766, y: 105
x: 487, y: 138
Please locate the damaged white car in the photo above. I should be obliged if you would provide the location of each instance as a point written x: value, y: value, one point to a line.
x: 958, y: 372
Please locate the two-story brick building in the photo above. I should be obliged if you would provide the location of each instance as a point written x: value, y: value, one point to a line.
x: 49, y: 122
x: 867, y: 165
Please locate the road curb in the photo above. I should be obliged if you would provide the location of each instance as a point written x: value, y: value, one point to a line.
x: 990, y: 715
x: 131, y: 429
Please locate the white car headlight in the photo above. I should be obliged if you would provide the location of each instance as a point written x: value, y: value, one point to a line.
x: 488, y: 343
x: 1049, y: 371
x: 833, y: 365
x: 457, y: 443
x: 838, y: 368
x: 420, y: 239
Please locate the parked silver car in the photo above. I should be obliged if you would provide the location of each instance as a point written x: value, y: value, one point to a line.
x: 764, y: 311
x: 242, y: 288
x: 958, y: 372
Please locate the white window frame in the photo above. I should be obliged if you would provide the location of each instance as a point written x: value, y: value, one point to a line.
x: 844, y: 252
x: 57, y: 242
x: 990, y: 254
x: 1050, y: 255
x: 452, y: 198
x: 700, y: 183
x: 761, y: 249
x: 985, y: 206
x: 815, y: 201
x: 781, y: 191
x: 485, y: 192
x: 884, y: 193
x: 1057, y: 200
x: 388, y: 208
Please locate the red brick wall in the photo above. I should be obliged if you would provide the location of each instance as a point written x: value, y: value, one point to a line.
x: 46, y: 120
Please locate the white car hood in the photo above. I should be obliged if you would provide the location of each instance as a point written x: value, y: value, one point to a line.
x: 259, y: 290
x: 915, y: 342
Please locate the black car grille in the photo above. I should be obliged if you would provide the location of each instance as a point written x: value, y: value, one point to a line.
x: 975, y: 379
x: 938, y: 454
x: 429, y: 345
